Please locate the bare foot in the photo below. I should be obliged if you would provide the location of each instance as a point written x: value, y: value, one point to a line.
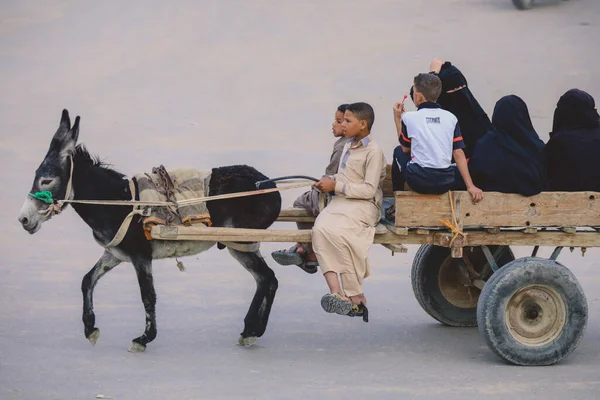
x: 310, y: 257
x: 297, y: 248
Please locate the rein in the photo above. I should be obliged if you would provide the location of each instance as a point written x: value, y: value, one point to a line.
x: 55, y: 206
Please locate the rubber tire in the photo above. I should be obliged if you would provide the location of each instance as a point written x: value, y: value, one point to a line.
x: 523, y: 4
x: 424, y: 277
x: 501, y: 287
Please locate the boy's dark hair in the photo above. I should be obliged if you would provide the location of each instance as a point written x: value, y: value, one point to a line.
x: 342, y: 108
x: 363, y: 111
x: 429, y: 85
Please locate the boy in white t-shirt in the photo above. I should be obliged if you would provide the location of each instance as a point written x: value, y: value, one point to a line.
x: 429, y: 138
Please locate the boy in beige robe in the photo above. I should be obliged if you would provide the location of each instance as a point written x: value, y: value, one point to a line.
x: 345, y: 229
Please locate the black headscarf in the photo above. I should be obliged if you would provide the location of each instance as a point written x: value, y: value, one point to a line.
x: 573, y: 151
x: 575, y: 109
x: 473, y: 121
x: 509, y: 158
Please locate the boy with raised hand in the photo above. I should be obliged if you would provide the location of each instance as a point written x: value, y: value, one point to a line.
x: 429, y: 138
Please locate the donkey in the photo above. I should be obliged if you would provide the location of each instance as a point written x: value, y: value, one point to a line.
x: 69, y: 172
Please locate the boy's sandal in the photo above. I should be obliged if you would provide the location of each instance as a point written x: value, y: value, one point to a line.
x: 360, y: 310
x: 336, y: 304
x: 309, y: 267
x: 288, y: 257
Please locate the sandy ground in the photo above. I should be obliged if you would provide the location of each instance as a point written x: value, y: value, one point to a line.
x: 206, y: 83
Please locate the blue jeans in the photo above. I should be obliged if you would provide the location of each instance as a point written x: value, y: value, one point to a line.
x: 399, y: 163
x: 421, y: 179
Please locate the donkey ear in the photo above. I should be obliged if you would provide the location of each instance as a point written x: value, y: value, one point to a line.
x: 65, y: 121
x: 60, y: 137
x: 65, y: 138
x: 75, y: 130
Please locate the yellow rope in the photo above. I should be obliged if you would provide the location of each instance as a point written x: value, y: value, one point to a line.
x: 454, y: 225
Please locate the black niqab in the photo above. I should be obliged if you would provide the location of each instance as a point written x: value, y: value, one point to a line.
x: 509, y: 158
x: 575, y: 109
x: 573, y: 151
x: 472, y: 119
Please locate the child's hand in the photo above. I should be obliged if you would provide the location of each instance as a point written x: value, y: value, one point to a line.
x: 436, y: 65
x: 476, y: 193
x: 325, y: 185
x: 398, y: 110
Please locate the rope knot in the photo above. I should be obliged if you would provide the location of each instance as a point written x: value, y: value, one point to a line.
x: 53, y: 209
x: 453, y: 226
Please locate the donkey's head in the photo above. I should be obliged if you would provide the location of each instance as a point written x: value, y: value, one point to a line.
x: 52, y: 178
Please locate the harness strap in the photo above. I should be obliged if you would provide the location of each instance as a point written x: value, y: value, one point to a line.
x: 120, y: 235
x: 56, y: 207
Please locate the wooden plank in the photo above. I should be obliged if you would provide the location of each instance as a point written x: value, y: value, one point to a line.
x: 547, y: 238
x: 473, y: 238
x: 395, y: 248
x: 397, y: 230
x: 295, y: 215
x: 456, y: 252
x: 161, y: 232
x: 549, y: 209
x: 296, y: 219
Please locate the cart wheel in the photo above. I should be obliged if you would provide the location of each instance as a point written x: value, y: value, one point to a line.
x: 532, y: 312
x: 438, y: 288
x: 523, y: 4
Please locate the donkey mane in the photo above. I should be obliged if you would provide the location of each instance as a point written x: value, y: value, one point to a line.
x: 83, y: 157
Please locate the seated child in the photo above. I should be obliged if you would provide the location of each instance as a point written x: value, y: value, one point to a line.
x: 302, y: 254
x: 429, y: 138
x: 345, y: 229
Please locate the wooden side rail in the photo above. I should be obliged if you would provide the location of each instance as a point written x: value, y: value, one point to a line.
x: 548, y: 209
x: 471, y: 238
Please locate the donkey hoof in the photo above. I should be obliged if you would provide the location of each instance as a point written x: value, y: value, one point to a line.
x: 247, y: 341
x: 136, y: 348
x: 93, y: 338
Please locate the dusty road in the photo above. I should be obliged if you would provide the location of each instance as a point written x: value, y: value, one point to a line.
x: 208, y: 83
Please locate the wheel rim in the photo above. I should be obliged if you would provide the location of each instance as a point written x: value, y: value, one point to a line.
x: 535, y: 315
x: 453, y: 290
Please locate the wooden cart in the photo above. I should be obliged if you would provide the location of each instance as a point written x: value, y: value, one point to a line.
x: 530, y: 311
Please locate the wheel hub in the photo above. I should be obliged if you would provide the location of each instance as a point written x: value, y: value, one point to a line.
x: 452, y: 287
x: 535, y: 315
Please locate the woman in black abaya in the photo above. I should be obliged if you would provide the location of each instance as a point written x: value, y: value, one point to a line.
x: 509, y: 158
x: 573, y: 151
x: 457, y: 98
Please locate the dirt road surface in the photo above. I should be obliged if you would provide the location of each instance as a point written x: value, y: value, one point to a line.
x: 209, y: 83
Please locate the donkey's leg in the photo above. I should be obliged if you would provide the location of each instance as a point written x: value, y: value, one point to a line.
x: 143, y: 269
x: 104, y: 264
x: 255, y: 322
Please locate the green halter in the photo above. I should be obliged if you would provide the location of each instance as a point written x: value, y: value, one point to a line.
x: 45, y: 196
